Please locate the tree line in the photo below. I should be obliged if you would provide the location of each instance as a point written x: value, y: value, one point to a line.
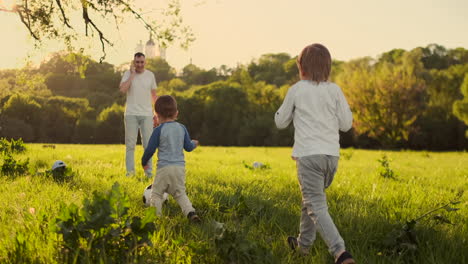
x: 416, y: 99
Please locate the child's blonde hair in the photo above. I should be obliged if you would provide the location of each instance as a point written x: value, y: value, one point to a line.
x: 315, y: 63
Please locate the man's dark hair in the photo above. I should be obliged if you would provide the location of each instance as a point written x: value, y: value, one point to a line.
x: 139, y: 54
x: 166, y: 106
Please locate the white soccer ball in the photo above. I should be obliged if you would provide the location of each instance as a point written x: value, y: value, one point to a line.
x: 58, y: 164
x: 147, y: 195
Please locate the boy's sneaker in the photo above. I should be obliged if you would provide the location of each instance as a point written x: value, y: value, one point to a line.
x: 345, y: 258
x: 193, y: 217
x: 292, y: 242
x: 294, y: 245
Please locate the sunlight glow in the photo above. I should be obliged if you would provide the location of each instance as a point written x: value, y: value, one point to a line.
x: 7, y: 4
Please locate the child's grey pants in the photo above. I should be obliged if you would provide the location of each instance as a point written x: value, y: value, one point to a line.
x: 170, y: 179
x: 315, y: 173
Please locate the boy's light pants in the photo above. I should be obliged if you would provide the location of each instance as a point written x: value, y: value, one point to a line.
x: 170, y: 179
x: 132, y: 125
x: 315, y: 173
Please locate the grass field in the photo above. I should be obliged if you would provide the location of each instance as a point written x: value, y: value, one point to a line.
x: 256, y: 208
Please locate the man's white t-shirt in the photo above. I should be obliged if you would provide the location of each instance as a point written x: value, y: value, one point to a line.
x: 139, y: 95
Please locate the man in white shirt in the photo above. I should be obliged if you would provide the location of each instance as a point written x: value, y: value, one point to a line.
x: 139, y: 85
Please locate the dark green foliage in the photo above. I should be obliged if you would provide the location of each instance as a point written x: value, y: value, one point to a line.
x: 403, y: 99
x: 85, y: 131
x: 347, y: 154
x: 110, y: 124
x: 194, y: 75
x: 436, y: 57
x: 177, y: 85
x: 210, y: 104
x: 61, y: 174
x: 385, y: 170
x: 103, y: 230
x: 404, y: 241
x: 386, y: 98
x: 273, y: 68
x: 12, y: 167
x: 11, y: 127
x: 393, y: 56
x: 12, y: 146
x: 17, y: 146
x: 76, y: 75
x: 162, y: 69
x: 439, y: 118
x: 460, y: 108
x: 234, y: 247
x: 20, y: 117
x: 21, y: 253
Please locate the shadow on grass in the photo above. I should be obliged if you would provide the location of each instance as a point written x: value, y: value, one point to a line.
x: 268, y: 219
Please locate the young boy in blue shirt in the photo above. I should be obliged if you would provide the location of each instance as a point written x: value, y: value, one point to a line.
x: 318, y: 110
x: 171, y: 138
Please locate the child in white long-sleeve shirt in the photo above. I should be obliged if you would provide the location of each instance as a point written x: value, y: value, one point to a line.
x: 318, y: 110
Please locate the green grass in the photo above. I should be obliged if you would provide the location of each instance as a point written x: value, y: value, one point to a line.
x: 259, y: 207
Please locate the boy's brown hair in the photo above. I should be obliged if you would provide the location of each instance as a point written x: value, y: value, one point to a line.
x: 315, y: 62
x: 166, y: 106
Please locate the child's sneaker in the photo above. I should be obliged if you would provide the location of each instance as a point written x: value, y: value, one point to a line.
x: 294, y: 245
x: 345, y: 258
x: 292, y: 242
x: 193, y: 217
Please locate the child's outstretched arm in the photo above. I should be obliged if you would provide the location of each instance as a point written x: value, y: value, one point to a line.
x: 189, y: 144
x: 344, y: 115
x: 285, y: 113
x: 153, y: 144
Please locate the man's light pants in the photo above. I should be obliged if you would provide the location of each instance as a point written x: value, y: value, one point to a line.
x: 132, y: 125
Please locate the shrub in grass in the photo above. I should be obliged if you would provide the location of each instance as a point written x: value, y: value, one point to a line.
x: 404, y: 242
x: 13, y: 168
x: 103, y: 231
x: 12, y: 146
x: 21, y: 252
x: 385, y: 170
x: 347, y: 154
x: 234, y: 247
x: 61, y: 175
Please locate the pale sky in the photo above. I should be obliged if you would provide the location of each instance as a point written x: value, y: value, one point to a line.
x: 237, y: 31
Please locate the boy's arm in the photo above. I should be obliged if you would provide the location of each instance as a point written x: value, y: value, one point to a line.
x: 189, y: 144
x: 285, y: 113
x: 153, y: 144
x: 344, y: 115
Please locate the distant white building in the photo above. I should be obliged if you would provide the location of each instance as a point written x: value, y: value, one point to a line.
x: 139, y: 47
x: 152, y: 50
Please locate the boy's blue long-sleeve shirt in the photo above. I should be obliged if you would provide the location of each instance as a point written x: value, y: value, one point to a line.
x: 171, y: 138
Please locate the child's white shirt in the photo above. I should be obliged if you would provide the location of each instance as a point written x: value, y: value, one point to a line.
x: 318, y: 112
